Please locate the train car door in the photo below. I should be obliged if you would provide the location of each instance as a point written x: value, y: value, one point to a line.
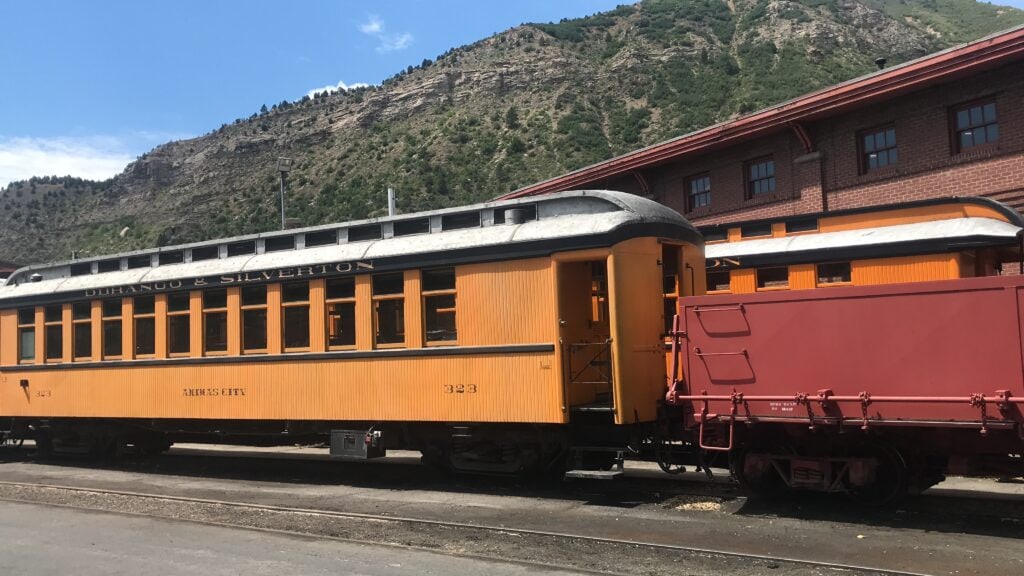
x: 584, y: 334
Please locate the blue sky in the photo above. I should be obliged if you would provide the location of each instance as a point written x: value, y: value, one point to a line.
x: 85, y: 87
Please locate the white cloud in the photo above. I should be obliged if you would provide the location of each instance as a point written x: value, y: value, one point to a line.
x: 91, y: 157
x: 339, y: 87
x: 374, y: 26
x: 394, y: 42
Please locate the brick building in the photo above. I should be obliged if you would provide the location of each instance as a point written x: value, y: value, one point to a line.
x: 948, y: 124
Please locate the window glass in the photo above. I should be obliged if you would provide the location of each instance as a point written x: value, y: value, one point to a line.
x: 773, y: 277
x: 361, y: 233
x: 112, y: 338
x: 254, y: 329
x: 26, y: 316
x: 760, y: 177
x: 53, y: 314
x: 178, y: 302
x: 215, y: 331
x: 384, y: 284
x: 254, y: 295
x: 112, y: 308
x: 279, y: 243
x: 81, y: 311
x: 975, y: 125
x: 442, y: 279
x: 698, y: 191
x: 296, y: 327
x: 341, y: 324
x: 54, y: 342
x: 833, y: 273
x: 390, y: 321
x: 323, y: 238
x: 83, y: 340
x: 408, y: 227
x: 718, y: 280
x: 241, y: 248
x: 145, y: 336
x: 440, y: 318
x: 295, y: 292
x: 215, y: 299
x: 205, y: 253
x: 459, y: 221
x: 341, y: 288
x: 878, y: 149
x: 166, y: 258
x: 144, y: 305
x: 26, y: 344
x: 179, y: 334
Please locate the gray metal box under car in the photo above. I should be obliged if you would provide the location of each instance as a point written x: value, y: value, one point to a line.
x: 361, y: 444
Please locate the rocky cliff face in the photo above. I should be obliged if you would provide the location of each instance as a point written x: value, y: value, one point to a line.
x: 524, y: 105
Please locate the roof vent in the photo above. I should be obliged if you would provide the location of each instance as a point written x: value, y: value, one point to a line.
x: 37, y: 277
x: 515, y: 216
x: 880, y: 62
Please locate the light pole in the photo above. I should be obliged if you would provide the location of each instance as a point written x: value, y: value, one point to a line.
x: 283, y: 166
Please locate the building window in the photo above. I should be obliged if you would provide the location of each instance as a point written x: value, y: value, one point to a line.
x: 144, y: 312
x: 718, y: 281
x: 81, y: 333
x: 112, y: 348
x: 834, y: 273
x: 53, y: 330
x: 878, y: 148
x: 341, y: 313
x: 215, y: 321
x: 698, y: 191
x: 295, y: 316
x: 389, y: 308
x: 975, y: 124
x: 439, y: 305
x: 254, y: 319
x: 755, y: 230
x: 26, y: 335
x: 179, y: 333
x: 760, y: 177
x: 801, y: 225
x: 773, y: 277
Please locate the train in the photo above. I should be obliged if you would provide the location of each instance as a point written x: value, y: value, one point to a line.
x: 562, y: 334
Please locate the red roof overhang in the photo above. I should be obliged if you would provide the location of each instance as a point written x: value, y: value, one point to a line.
x: 945, y: 66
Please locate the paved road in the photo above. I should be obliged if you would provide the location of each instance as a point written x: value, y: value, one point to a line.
x: 41, y: 540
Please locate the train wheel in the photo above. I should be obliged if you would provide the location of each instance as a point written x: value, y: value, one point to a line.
x: 891, y: 477
x: 756, y: 474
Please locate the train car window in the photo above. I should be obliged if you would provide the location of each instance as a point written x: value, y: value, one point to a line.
x: 439, y: 301
x: 179, y: 333
x: 598, y: 294
x: 773, y: 277
x: 460, y: 221
x: 295, y: 316
x: 754, y: 230
x: 109, y: 266
x: 166, y: 258
x: 719, y: 281
x: 389, y: 308
x: 81, y: 333
x: 53, y: 332
x: 205, y: 253
x: 410, y: 227
x: 341, y: 313
x: 801, y: 225
x: 529, y: 212
x: 834, y: 273
x: 26, y: 335
x: 241, y: 248
x: 670, y: 256
x: 112, y: 349
x: 215, y: 321
x: 254, y: 319
x: 144, y: 311
x: 363, y: 233
x: 323, y: 238
x: 139, y: 262
x: 279, y: 244
x: 82, y: 269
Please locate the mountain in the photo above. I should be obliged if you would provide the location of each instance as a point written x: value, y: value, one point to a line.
x: 527, y: 104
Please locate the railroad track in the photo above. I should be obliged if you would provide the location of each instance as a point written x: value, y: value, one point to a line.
x: 573, y: 551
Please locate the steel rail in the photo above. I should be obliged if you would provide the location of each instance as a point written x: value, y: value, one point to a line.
x: 438, y: 523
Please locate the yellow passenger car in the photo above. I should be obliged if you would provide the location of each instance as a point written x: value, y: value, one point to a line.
x: 938, y: 239
x: 490, y: 337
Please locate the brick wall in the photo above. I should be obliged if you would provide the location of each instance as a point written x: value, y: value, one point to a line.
x: 927, y: 168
